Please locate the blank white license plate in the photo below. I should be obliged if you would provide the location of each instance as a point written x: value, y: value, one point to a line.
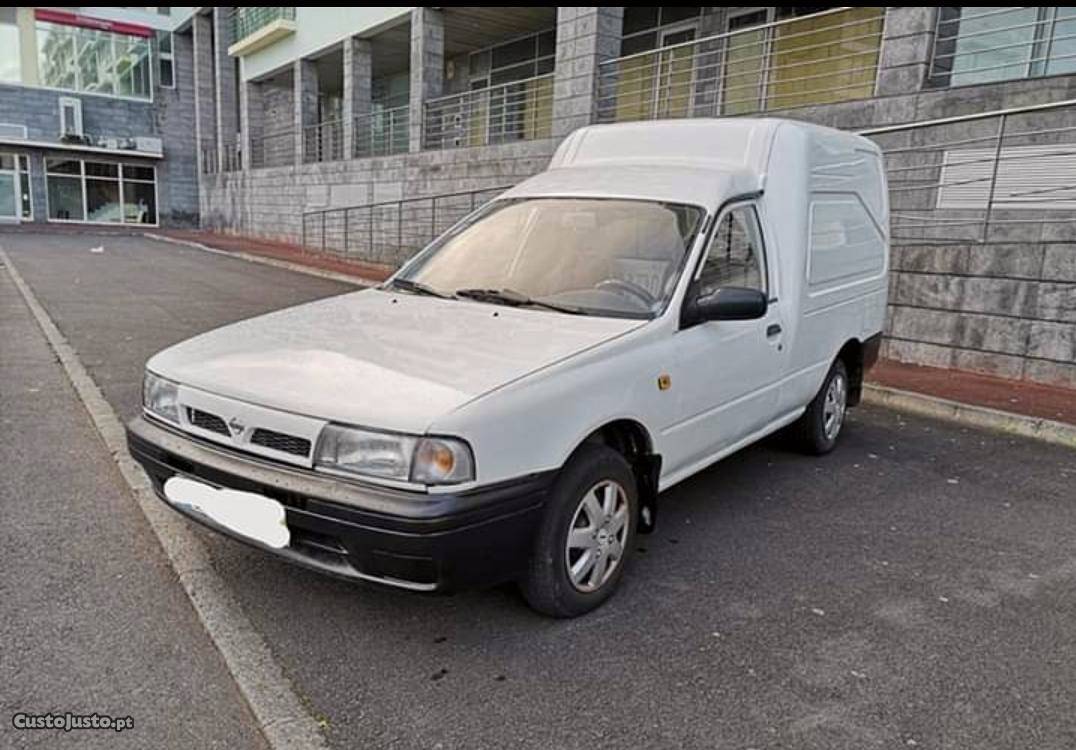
x: 254, y: 516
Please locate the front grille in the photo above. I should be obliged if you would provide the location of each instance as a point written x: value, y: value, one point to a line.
x: 278, y: 441
x: 207, y: 421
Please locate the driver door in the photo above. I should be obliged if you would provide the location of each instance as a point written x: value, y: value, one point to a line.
x: 728, y: 372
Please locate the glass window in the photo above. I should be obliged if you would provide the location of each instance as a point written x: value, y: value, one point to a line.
x: 92, y: 60
x: 146, y: 174
x: 638, y: 18
x: 65, y: 198
x: 9, y: 195
x: 102, y: 169
x: 515, y: 52
x: 139, y: 203
x: 992, y: 46
x: 63, y: 166
x: 1061, y: 47
x: 24, y: 188
x: 735, y: 256
x: 103, y: 201
x: 606, y: 257
x: 166, y: 59
x: 985, y: 44
x: 101, y: 192
x: 10, y: 69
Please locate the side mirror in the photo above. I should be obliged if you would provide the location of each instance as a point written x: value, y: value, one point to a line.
x: 725, y: 303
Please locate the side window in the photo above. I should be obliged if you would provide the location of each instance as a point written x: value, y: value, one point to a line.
x: 735, y: 256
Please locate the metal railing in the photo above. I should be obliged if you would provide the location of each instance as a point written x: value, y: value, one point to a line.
x: 516, y: 111
x: 821, y: 58
x: 323, y: 141
x: 227, y: 158
x: 389, y: 233
x: 383, y: 132
x: 273, y: 149
x: 984, y: 44
x: 1008, y: 175
x: 247, y: 20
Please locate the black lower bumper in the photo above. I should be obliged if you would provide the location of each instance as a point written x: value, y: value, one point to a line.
x: 417, y: 541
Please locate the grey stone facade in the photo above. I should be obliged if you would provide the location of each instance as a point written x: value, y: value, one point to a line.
x: 585, y: 37
x: 427, y: 65
x: 1002, y: 303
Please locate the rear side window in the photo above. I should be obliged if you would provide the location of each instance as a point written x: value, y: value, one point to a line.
x: 845, y: 244
x: 735, y: 256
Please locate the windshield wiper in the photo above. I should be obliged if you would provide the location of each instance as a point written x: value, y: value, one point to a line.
x: 418, y: 288
x: 514, y: 299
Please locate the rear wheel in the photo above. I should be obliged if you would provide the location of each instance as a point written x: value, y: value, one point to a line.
x: 816, y: 431
x: 586, y: 534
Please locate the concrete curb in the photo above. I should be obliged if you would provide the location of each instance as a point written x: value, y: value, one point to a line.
x: 1046, y: 430
x: 275, y: 262
x: 277, y: 708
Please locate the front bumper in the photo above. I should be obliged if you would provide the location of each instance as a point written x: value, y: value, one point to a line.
x: 405, y: 539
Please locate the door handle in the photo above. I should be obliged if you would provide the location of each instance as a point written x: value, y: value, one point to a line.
x: 772, y: 330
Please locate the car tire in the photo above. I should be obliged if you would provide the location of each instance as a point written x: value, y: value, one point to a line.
x: 596, y: 481
x: 817, y: 430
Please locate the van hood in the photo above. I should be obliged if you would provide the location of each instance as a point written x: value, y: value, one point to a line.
x: 380, y: 359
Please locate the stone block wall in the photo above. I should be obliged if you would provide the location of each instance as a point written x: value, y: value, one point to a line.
x: 1007, y: 309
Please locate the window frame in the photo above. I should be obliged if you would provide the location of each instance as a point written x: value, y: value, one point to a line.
x: 74, y: 128
x: 163, y: 56
x: 121, y: 180
x: 663, y: 27
x: 940, y: 76
x: 733, y: 204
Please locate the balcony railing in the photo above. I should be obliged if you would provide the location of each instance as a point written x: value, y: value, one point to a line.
x: 382, y: 132
x: 820, y: 58
x: 1005, y: 176
x: 273, y: 149
x: 516, y: 111
x: 246, y: 21
x: 323, y: 141
x: 389, y: 233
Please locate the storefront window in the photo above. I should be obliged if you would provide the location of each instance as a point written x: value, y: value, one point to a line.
x: 101, y: 192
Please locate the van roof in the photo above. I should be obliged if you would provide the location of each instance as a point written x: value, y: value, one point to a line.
x: 635, y: 181
x: 683, y: 161
x: 707, y: 143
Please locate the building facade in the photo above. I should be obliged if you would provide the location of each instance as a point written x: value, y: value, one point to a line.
x: 95, y: 124
x: 364, y: 131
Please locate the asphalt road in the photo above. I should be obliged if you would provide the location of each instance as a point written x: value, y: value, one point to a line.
x: 916, y: 588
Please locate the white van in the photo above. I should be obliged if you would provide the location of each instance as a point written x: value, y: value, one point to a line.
x: 511, y: 403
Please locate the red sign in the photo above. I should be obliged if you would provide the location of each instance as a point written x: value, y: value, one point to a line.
x: 86, y: 22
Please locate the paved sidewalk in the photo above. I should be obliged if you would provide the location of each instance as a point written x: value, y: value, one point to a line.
x: 94, y: 620
x: 281, y: 251
x: 1018, y: 397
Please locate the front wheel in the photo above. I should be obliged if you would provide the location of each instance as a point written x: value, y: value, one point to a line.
x: 817, y: 429
x: 586, y: 534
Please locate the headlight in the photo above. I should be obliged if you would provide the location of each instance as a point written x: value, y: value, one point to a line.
x: 160, y: 397
x: 392, y: 456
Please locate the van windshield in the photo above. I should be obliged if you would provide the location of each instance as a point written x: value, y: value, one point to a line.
x: 583, y: 255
